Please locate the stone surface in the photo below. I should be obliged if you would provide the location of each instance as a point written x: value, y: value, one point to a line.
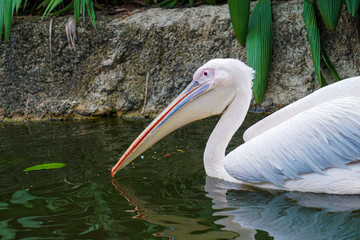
x: 149, y: 58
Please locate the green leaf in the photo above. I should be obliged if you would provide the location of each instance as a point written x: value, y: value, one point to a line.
x: 329, y: 64
x: 2, y: 11
x: 8, y: 14
x: 168, y: 3
x: 313, y: 38
x: 76, y: 10
x: 65, y: 9
x: 352, y: 6
x: 52, y: 4
x: 191, y: 3
x: 43, y: 4
x: 91, y: 12
x: 16, y: 5
x: 25, y: 3
x: 82, y: 9
x: 259, y: 46
x: 330, y: 11
x: 45, y: 166
x: 239, y: 14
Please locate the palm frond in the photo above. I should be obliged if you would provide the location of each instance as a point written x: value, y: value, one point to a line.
x: 239, y: 14
x: 352, y: 6
x: 50, y: 7
x: 329, y: 64
x: 91, y: 12
x: 313, y: 35
x: 259, y: 46
x: 330, y: 11
x: 168, y: 3
x: 2, y: 13
x: 6, y: 15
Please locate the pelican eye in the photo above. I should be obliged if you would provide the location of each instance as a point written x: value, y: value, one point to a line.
x: 205, y: 73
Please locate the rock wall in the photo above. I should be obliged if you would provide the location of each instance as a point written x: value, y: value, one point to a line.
x: 137, y: 65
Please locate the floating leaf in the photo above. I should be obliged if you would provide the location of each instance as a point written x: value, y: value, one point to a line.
x: 45, y: 166
x: 259, y: 46
x: 313, y: 38
x: 330, y: 11
x: 352, y: 6
x: 239, y: 14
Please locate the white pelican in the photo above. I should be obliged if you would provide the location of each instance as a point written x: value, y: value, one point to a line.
x: 312, y: 145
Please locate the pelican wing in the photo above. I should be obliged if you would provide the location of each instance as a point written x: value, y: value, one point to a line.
x: 323, y: 136
x: 346, y: 88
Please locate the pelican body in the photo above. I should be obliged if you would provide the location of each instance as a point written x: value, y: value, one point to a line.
x: 312, y: 145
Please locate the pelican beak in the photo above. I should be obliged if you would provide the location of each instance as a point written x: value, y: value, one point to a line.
x: 196, y: 102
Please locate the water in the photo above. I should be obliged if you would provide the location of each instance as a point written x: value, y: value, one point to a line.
x: 164, y: 195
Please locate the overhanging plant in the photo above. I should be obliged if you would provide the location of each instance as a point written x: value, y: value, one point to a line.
x: 254, y: 31
x: 9, y: 7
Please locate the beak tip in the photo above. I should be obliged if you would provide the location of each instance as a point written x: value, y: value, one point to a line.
x: 112, y: 172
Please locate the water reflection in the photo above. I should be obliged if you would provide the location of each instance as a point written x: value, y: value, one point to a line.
x: 177, y: 226
x: 285, y: 215
x: 243, y: 213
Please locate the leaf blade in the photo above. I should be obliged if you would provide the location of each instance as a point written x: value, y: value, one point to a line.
x: 313, y: 35
x: 259, y: 46
x: 168, y: 3
x: 329, y: 64
x: 2, y: 11
x: 91, y: 13
x: 45, y: 166
x: 330, y: 12
x: 239, y: 14
x: 8, y: 15
x: 51, y: 5
x: 352, y: 6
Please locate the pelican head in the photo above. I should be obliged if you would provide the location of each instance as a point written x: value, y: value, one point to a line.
x: 212, y: 89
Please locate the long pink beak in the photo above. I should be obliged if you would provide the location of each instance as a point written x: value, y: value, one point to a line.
x: 169, y: 120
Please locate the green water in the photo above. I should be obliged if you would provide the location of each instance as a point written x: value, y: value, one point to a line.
x: 165, y: 194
